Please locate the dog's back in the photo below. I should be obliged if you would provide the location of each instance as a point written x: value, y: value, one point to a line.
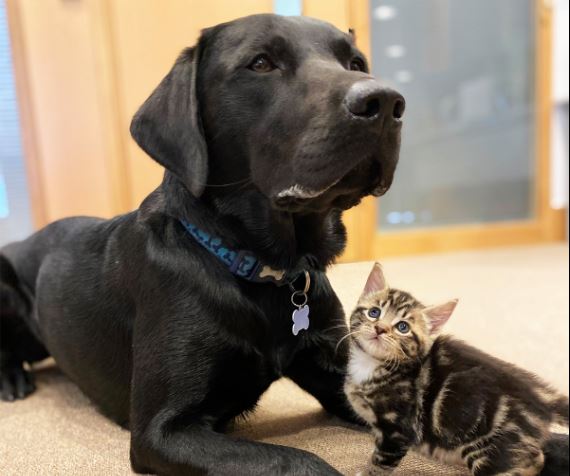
x: 60, y: 266
x: 27, y: 256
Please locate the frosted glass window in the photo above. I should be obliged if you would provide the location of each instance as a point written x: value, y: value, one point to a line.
x: 466, y: 69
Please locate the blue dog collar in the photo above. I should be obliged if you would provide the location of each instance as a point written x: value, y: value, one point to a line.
x: 246, y: 265
x: 241, y: 263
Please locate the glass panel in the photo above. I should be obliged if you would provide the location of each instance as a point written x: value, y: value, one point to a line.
x: 466, y: 69
x: 288, y: 7
x: 15, y: 218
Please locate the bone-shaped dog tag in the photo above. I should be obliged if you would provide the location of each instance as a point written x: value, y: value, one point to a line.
x: 300, y: 319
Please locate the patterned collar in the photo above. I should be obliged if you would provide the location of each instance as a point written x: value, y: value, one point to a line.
x: 242, y: 263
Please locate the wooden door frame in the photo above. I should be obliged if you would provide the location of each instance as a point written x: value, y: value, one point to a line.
x: 110, y: 163
x: 548, y: 224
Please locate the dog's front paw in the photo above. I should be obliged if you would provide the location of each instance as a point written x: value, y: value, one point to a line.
x: 15, y: 383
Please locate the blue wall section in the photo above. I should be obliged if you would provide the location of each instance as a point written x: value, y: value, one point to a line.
x: 15, y: 211
x: 288, y: 7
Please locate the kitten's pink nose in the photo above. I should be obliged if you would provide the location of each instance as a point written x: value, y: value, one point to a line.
x: 380, y: 330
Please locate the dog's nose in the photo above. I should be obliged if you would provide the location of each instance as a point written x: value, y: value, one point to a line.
x: 369, y: 100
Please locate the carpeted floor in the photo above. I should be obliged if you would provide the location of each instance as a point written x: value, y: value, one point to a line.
x: 513, y: 303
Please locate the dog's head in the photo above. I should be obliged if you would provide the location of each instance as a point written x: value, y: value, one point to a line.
x: 284, y: 103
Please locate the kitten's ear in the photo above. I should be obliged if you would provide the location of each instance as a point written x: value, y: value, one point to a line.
x: 439, y: 315
x: 376, y: 281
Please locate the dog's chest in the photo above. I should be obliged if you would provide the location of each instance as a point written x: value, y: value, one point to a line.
x: 278, y: 340
x: 278, y: 359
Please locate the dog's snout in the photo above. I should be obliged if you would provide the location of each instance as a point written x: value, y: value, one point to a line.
x: 369, y: 100
x: 399, y: 107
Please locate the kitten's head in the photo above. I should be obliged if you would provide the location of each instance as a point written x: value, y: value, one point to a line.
x: 392, y: 325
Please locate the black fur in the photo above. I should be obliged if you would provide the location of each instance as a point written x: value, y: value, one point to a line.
x: 152, y: 327
x: 556, y: 453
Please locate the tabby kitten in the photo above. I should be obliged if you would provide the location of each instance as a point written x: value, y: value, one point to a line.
x: 440, y: 395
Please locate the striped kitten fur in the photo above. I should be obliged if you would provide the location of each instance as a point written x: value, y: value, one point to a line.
x: 439, y: 395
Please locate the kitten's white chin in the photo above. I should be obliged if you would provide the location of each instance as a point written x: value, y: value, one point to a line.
x: 361, y: 365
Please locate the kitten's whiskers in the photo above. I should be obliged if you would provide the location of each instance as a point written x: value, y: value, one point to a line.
x: 396, y: 356
x: 345, y: 337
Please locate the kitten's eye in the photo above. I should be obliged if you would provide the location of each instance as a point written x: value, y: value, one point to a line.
x: 374, y: 313
x: 403, y: 327
x: 262, y: 64
x: 357, y: 65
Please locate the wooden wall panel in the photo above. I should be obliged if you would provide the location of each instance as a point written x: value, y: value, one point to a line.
x: 148, y: 36
x: 83, y: 67
x: 62, y: 107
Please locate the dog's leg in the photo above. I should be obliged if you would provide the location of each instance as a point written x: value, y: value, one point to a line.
x: 320, y: 368
x: 17, y: 344
x: 320, y: 371
x: 15, y: 382
x: 166, y: 448
x: 182, y: 391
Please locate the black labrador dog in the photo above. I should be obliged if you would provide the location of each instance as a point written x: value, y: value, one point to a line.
x: 175, y: 318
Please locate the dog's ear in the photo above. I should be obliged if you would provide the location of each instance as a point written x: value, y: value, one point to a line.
x: 168, y: 128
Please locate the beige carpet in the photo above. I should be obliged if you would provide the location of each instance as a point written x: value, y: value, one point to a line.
x: 514, y: 303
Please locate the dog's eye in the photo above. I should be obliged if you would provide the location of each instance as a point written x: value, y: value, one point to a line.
x: 262, y: 64
x: 357, y: 65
